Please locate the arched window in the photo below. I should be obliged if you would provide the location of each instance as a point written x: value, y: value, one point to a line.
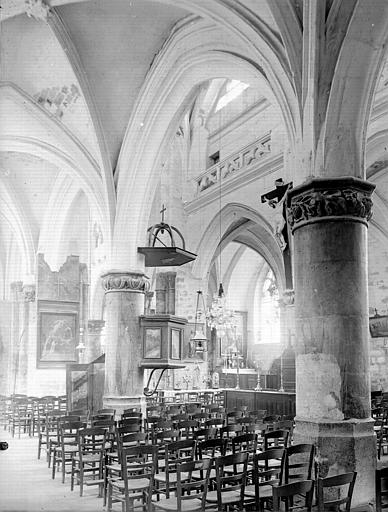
x: 270, y: 317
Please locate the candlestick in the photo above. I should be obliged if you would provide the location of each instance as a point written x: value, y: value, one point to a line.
x: 281, y: 389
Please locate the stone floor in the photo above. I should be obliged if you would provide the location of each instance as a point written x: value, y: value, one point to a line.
x: 26, y: 484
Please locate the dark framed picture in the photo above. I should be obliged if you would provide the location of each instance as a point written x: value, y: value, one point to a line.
x: 378, y: 326
x: 58, y: 332
x: 175, y: 344
x: 153, y: 343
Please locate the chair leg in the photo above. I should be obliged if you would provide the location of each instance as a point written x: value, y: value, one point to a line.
x: 81, y: 479
x: 63, y: 467
x: 53, y: 468
x: 109, y: 497
x: 72, y: 475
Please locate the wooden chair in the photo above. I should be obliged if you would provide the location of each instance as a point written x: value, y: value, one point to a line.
x: 21, y: 417
x: 205, y: 433
x: 187, y: 428
x: 290, y: 495
x: 275, y: 438
x: 229, y: 432
x: 89, y: 459
x: 174, y: 453
x: 299, y: 462
x: 211, y: 448
x: 382, y: 439
x: 138, y: 466
x: 68, y: 446
x: 381, y: 489
x: 214, y: 422
x: 191, y: 492
x: 268, y: 469
x: 230, y: 486
x: 337, y: 485
x: 55, y: 441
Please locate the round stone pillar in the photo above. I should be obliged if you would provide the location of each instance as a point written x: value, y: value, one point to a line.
x: 329, y: 220
x: 124, y: 303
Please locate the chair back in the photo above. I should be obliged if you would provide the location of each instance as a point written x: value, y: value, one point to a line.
x: 139, y: 464
x: 231, y: 474
x: 381, y: 489
x: 189, y: 489
x: 205, y: 433
x: 275, y: 438
x: 299, y: 462
x: 91, y: 441
x: 287, y: 492
x: 331, y: 491
x: 212, y: 448
x: 244, y: 442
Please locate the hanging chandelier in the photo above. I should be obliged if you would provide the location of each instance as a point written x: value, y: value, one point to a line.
x: 220, y: 316
x: 199, y: 337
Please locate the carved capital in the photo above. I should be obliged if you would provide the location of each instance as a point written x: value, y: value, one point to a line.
x: 29, y: 292
x: 288, y: 297
x: 125, y: 281
x: 334, y: 199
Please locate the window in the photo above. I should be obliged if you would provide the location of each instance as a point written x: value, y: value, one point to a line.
x: 233, y: 89
x: 270, y: 317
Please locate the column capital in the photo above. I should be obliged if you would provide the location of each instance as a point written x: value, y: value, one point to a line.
x: 330, y: 199
x: 125, y: 281
x: 29, y: 292
x: 288, y: 297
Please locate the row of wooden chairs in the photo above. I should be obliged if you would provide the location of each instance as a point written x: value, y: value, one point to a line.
x: 20, y: 413
x: 239, y: 479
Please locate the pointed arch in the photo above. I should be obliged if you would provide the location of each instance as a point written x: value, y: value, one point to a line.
x: 242, y: 224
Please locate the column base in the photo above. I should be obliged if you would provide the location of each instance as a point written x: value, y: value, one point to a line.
x: 343, y: 446
x: 125, y: 402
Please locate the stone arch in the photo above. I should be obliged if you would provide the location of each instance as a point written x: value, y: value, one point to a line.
x: 343, y: 140
x: 244, y: 225
x: 13, y: 213
x: 156, y: 116
x: 42, y: 135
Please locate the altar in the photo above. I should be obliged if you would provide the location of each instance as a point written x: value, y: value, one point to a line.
x: 247, y: 378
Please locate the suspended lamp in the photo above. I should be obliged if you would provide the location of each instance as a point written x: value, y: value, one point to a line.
x: 199, y: 337
x: 165, y: 254
x: 220, y: 316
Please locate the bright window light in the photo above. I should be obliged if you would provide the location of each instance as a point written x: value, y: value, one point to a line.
x: 233, y: 89
x: 270, y: 318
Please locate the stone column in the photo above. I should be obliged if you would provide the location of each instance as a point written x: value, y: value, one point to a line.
x: 329, y: 220
x: 124, y: 303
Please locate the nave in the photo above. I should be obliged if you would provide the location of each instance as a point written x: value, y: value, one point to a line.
x: 204, y: 431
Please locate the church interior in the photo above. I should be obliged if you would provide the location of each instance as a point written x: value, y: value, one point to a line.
x: 194, y: 198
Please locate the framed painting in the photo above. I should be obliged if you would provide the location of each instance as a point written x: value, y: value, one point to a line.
x: 58, y: 332
x: 175, y: 351
x: 153, y: 343
x: 378, y: 326
x: 231, y: 340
